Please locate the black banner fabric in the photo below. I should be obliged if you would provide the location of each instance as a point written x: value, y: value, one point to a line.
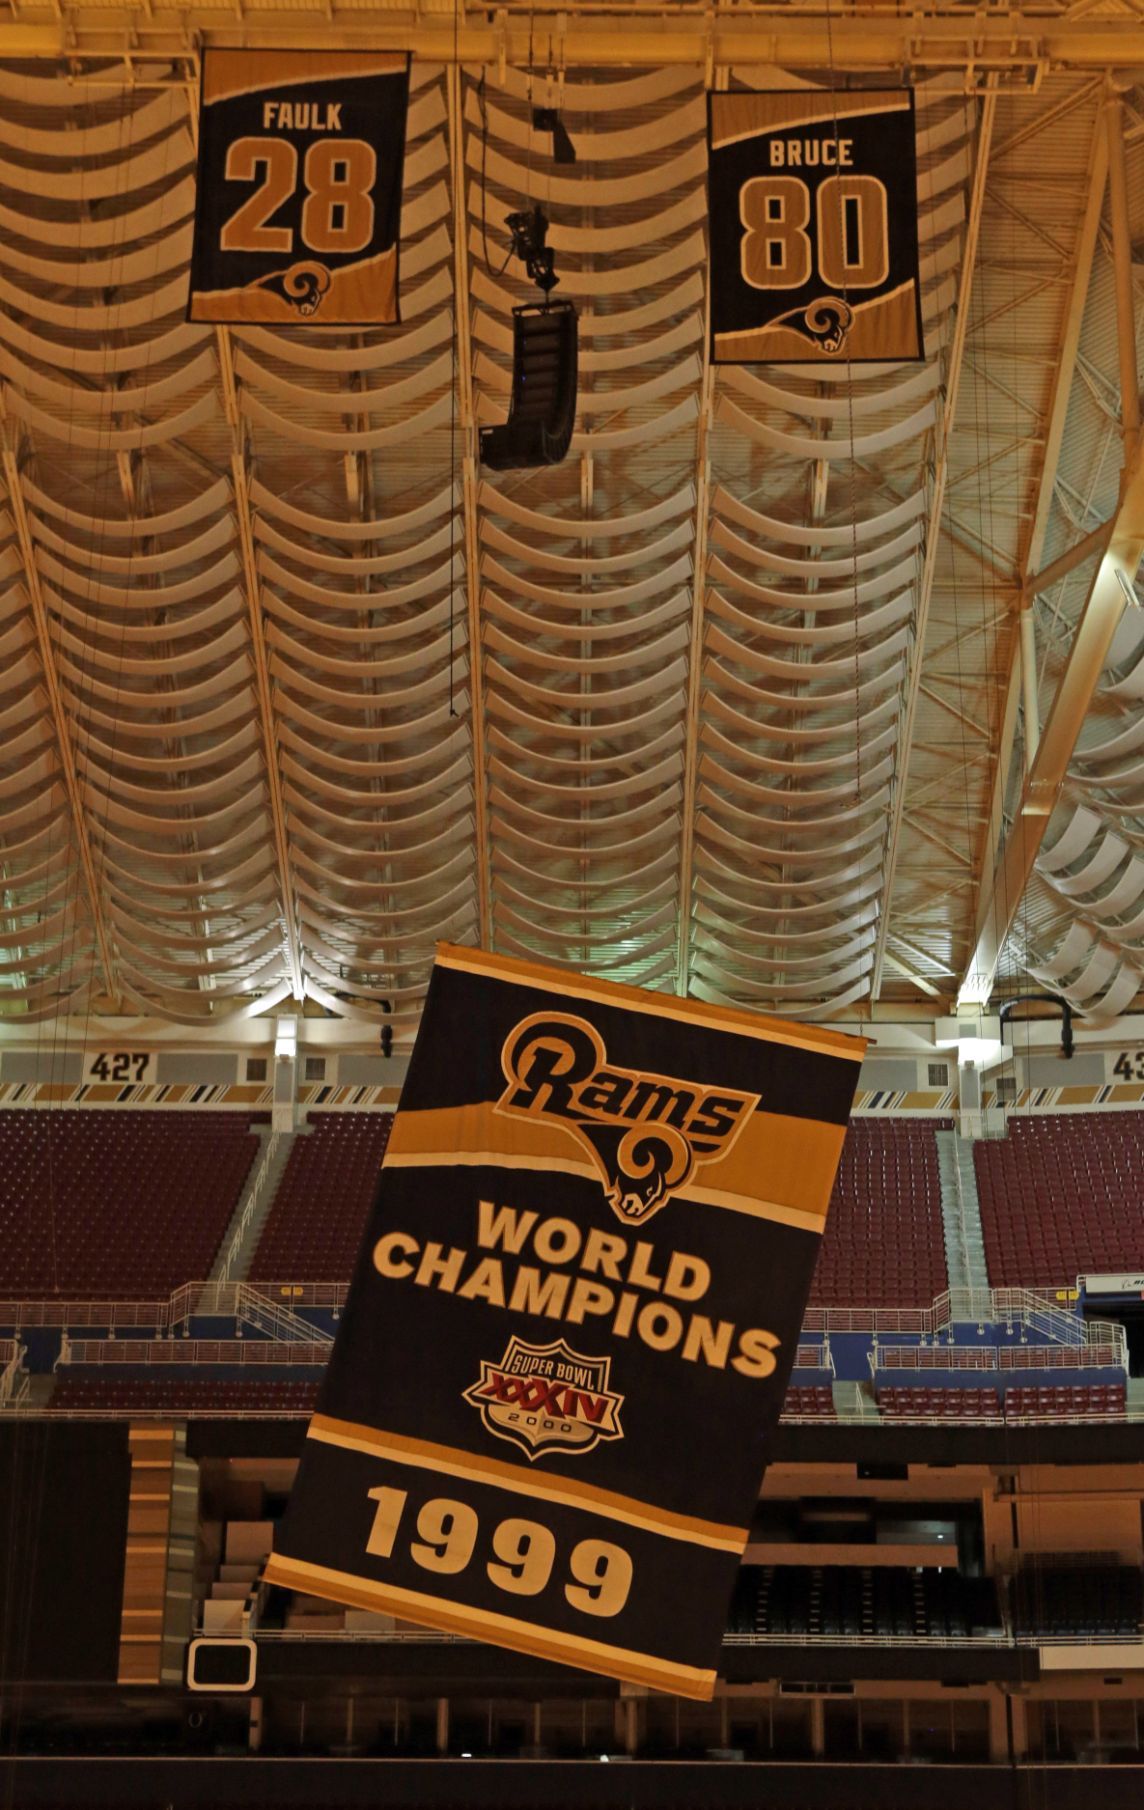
x: 570, y: 1328
x: 299, y: 191
x: 814, y: 227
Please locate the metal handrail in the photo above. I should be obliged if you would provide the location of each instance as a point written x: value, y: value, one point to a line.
x: 996, y: 1358
x: 932, y: 1357
x: 253, y: 1200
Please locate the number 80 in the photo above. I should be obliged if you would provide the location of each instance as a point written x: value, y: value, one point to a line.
x: 852, y: 230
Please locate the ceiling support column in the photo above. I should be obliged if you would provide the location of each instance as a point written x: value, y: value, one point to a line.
x: 1107, y: 600
x: 1122, y: 270
x: 467, y: 429
x: 1029, y: 685
x: 933, y: 530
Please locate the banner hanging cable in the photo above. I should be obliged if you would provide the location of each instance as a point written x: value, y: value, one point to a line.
x: 572, y: 1320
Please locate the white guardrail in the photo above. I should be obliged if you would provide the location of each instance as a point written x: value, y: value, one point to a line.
x: 14, y: 1379
x: 253, y: 1200
x: 991, y: 1358
x: 1008, y: 1306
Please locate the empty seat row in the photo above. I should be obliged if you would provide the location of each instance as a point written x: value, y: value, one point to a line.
x: 940, y: 1404
x: 809, y: 1402
x: 1063, y: 1403
x: 856, y: 1601
x: 80, y: 1389
x: 1095, y: 1601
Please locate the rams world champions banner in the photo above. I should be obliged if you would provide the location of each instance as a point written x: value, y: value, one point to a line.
x: 299, y: 187
x: 814, y: 230
x: 573, y: 1317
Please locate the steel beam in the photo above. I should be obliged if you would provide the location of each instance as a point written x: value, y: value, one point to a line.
x: 933, y: 535
x: 1091, y: 544
x: 695, y: 651
x: 865, y: 37
x: 467, y: 426
x: 1108, y: 598
x: 1122, y: 273
x: 1067, y: 356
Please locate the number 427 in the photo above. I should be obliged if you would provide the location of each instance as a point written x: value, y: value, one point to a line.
x: 524, y: 1552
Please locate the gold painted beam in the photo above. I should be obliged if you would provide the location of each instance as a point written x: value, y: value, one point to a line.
x: 865, y: 38
x: 1108, y: 598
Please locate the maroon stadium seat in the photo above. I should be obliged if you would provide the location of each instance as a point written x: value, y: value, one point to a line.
x: 1062, y: 1195
x: 116, y: 1205
x: 318, y: 1217
x: 884, y: 1245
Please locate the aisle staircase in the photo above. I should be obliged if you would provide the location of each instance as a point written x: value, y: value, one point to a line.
x: 961, y: 1213
x: 240, y: 1240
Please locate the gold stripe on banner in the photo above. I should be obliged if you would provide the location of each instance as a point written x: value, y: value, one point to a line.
x: 797, y: 1158
x: 655, y: 1005
x: 481, y: 1624
x: 747, y: 115
x: 363, y: 292
x: 451, y: 1462
x: 227, y: 73
x: 891, y: 319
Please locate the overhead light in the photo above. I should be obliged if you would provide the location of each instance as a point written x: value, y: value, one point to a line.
x: 286, y: 1037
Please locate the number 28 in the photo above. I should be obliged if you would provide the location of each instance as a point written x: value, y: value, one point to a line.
x: 337, y: 215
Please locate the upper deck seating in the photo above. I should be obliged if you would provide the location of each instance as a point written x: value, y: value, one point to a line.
x: 319, y: 1213
x: 1061, y: 1195
x: 116, y: 1205
x: 90, y: 1389
x: 883, y: 1245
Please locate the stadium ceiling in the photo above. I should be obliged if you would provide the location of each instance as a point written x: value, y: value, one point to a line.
x: 816, y: 695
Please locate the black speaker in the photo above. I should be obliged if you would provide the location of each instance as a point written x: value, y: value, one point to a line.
x: 544, y: 375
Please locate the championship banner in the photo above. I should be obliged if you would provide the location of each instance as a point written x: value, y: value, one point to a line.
x: 814, y: 227
x: 547, y: 1413
x: 298, y: 211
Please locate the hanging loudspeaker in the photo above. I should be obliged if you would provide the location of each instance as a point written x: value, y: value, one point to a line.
x: 539, y: 426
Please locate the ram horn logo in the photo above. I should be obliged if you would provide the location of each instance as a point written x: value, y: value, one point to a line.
x: 547, y: 1398
x: 303, y: 284
x: 647, y: 1134
x: 825, y: 322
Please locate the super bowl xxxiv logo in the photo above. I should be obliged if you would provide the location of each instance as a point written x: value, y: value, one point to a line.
x: 547, y: 1397
x: 646, y: 1133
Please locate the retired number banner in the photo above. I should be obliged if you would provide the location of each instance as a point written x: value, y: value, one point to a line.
x: 568, y: 1337
x: 814, y: 227
x: 299, y: 188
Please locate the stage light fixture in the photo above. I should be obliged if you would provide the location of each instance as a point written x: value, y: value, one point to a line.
x: 542, y: 411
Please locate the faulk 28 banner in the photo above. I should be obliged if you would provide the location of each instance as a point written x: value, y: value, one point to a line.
x: 299, y: 191
x: 814, y: 231
x: 568, y: 1337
